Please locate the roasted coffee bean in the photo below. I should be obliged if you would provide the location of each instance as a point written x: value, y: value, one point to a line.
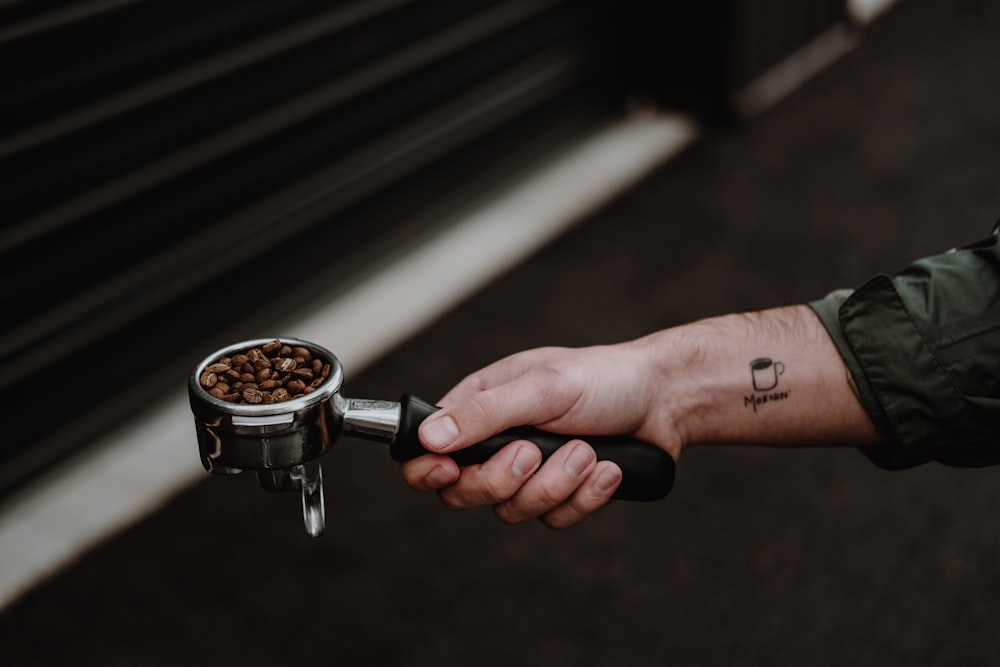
x: 253, y: 395
x: 272, y: 373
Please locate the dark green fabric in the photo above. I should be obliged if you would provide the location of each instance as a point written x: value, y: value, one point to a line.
x: 923, y: 349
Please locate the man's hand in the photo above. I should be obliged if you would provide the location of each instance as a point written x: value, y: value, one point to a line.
x: 590, y: 390
x: 770, y: 378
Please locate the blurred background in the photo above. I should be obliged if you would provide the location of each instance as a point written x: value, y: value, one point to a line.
x: 177, y: 177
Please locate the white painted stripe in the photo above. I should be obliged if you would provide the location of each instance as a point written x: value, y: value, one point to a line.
x: 821, y: 52
x: 136, y: 469
x: 795, y: 70
x: 866, y: 11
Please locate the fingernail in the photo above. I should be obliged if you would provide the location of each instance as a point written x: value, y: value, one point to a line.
x: 438, y: 433
x: 437, y: 478
x: 524, y: 461
x: 608, y: 479
x: 578, y: 460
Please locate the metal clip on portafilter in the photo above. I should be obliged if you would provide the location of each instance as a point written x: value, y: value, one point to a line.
x: 282, y: 442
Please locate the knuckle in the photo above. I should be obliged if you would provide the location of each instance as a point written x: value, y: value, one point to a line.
x: 506, y: 514
x: 450, y: 500
x: 545, y: 498
x: 481, y: 406
x: 493, y: 490
x: 555, y: 523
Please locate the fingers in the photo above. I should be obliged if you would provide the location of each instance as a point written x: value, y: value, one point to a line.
x: 534, y: 398
x: 593, y: 494
x: 496, y: 480
x: 497, y: 373
x: 570, y: 486
x: 430, y: 472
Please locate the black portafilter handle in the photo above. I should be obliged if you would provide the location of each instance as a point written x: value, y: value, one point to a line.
x: 648, y: 471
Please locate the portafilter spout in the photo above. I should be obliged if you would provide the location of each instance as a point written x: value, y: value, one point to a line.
x: 281, y: 440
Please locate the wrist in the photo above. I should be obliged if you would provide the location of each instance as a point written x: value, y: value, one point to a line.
x: 769, y: 377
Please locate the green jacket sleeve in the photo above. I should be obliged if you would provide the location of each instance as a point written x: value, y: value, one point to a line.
x: 922, y: 349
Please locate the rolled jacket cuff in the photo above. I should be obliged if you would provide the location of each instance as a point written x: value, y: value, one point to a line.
x: 900, y: 382
x: 828, y: 311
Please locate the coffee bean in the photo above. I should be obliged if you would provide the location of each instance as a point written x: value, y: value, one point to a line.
x: 253, y: 395
x: 272, y: 373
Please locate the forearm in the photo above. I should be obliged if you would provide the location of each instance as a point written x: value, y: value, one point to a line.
x: 772, y: 377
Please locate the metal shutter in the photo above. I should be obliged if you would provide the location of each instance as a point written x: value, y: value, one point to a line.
x: 174, y: 174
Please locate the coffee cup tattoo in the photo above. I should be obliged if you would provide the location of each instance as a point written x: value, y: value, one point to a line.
x: 764, y: 373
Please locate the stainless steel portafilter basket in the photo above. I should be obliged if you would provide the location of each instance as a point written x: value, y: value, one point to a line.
x: 282, y: 442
